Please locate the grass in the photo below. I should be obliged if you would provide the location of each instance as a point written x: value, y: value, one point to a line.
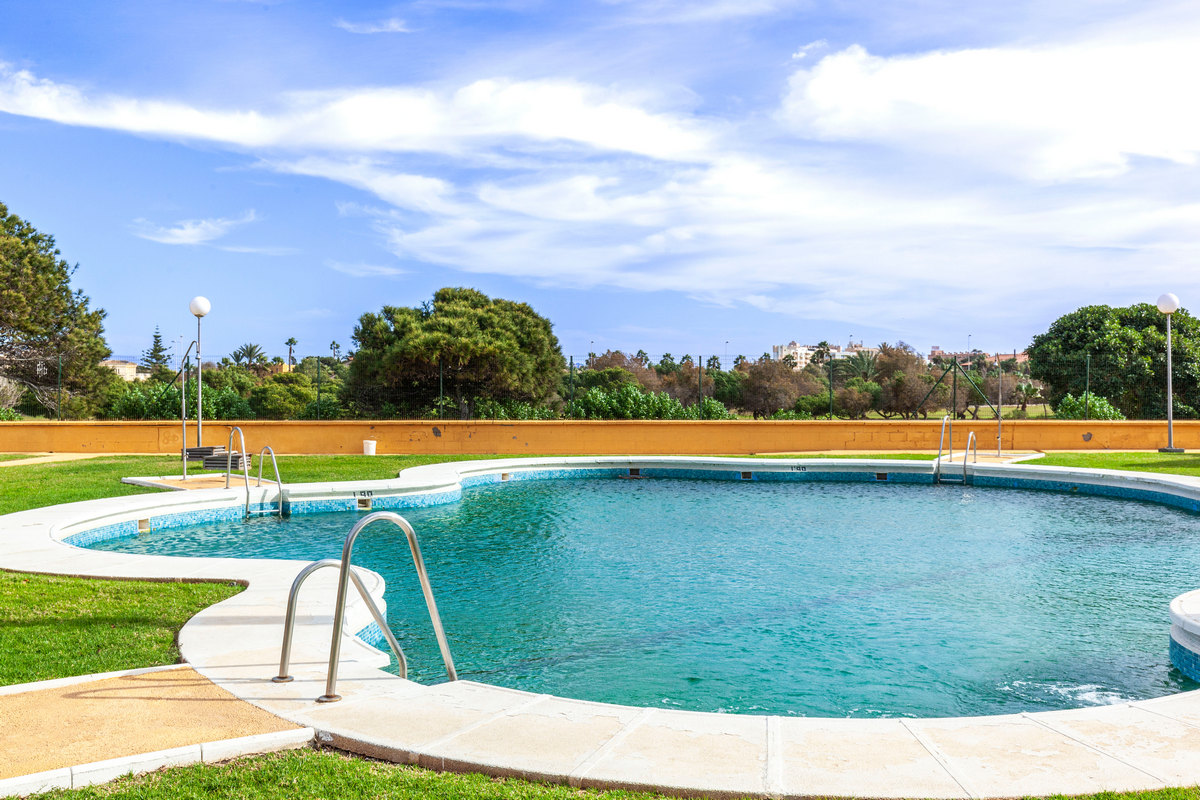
x: 1170, y: 463
x: 55, y: 627
x: 302, y: 774
x: 891, y: 456
x: 14, y: 456
x: 309, y: 774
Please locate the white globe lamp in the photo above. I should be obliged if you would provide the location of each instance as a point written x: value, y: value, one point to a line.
x: 1169, y: 304
x: 200, y: 306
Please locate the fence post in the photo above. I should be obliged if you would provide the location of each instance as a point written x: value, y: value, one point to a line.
x: 441, y: 391
x: 831, y: 387
x: 318, y: 359
x: 1087, y: 385
x: 700, y: 381
x: 60, y: 387
x: 571, y: 383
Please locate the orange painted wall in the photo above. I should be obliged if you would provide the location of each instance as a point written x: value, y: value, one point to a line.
x: 567, y: 437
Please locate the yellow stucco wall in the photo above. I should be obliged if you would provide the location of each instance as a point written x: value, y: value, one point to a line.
x: 566, y: 437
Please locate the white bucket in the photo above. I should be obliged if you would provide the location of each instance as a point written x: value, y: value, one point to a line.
x: 368, y: 447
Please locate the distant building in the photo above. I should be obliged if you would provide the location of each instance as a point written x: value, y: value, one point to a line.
x: 803, y: 353
x: 126, y: 370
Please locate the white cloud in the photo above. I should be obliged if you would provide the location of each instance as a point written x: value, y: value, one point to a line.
x: 366, y: 270
x: 902, y: 190
x: 490, y: 112
x: 691, y: 11
x: 391, y: 25
x: 1053, y: 112
x: 191, y: 231
x: 263, y: 250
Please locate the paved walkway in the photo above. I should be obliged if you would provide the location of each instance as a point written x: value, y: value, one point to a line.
x: 64, y: 723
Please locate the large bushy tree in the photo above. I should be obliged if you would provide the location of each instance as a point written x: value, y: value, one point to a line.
x: 1125, y: 352
x: 42, y: 320
x: 485, y: 348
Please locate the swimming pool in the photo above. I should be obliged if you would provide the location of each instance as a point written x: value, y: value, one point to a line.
x: 467, y: 725
x: 814, y: 598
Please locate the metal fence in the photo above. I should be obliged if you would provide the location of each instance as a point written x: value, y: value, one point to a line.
x: 325, y: 387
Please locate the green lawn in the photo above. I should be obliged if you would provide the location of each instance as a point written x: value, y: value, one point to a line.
x: 1172, y: 463
x: 52, y: 627
x: 316, y: 775
x: 14, y: 456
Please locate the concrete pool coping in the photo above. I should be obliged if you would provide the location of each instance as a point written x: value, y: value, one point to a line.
x: 471, y: 726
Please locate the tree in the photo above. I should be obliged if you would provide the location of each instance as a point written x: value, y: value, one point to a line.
x: 158, y: 357
x: 248, y: 354
x: 638, y: 366
x: 821, y: 354
x: 42, y: 321
x: 291, y: 343
x: 905, y: 382
x: 1121, y: 354
x: 486, y: 348
x: 859, y: 365
x: 770, y: 386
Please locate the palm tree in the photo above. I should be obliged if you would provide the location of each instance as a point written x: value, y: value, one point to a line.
x: 291, y: 342
x: 860, y: 365
x: 250, y: 354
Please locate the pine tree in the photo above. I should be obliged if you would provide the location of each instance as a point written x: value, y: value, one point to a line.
x: 158, y: 356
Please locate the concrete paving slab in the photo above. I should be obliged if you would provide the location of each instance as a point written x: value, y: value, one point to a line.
x: 1007, y: 756
x: 825, y: 757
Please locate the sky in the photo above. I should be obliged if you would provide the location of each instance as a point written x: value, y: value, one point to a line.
x: 708, y: 177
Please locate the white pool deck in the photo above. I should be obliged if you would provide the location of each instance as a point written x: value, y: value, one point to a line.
x: 472, y: 726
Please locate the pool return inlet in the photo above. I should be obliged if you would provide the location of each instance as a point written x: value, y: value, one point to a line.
x: 347, y: 574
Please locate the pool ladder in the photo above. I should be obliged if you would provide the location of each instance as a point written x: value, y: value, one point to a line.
x: 972, y: 446
x: 246, y: 472
x: 347, y: 574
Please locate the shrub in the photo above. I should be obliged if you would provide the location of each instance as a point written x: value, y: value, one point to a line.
x: 793, y: 415
x: 488, y: 408
x: 1097, y: 407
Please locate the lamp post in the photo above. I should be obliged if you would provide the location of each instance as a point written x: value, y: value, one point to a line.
x: 199, y: 307
x: 1169, y: 304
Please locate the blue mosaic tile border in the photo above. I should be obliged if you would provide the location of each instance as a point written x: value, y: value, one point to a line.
x: 119, y: 530
x: 1095, y: 489
x: 796, y: 474
x: 373, y: 635
x: 1185, y: 660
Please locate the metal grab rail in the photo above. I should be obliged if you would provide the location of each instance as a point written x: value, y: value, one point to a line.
x: 229, y: 461
x: 278, y: 482
x: 971, y: 443
x: 246, y: 467
x: 339, y: 613
x: 289, y: 624
x: 937, y: 465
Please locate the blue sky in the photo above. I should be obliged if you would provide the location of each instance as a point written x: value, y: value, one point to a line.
x: 665, y: 175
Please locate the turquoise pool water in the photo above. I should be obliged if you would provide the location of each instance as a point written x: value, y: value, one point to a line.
x: 836, y: 599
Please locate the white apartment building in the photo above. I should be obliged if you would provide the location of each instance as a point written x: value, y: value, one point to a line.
x: 803, y: 353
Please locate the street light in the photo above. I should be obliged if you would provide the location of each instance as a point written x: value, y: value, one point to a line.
x: 199, y: 307
x: 1169, y: 304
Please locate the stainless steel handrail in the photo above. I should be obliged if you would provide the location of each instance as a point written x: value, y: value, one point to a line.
x: 937, y: 465
x: 289, y: 624
x: 278, y: 482
x: 971, y: 444
x: 343, y: 581
x: 229, y: 464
